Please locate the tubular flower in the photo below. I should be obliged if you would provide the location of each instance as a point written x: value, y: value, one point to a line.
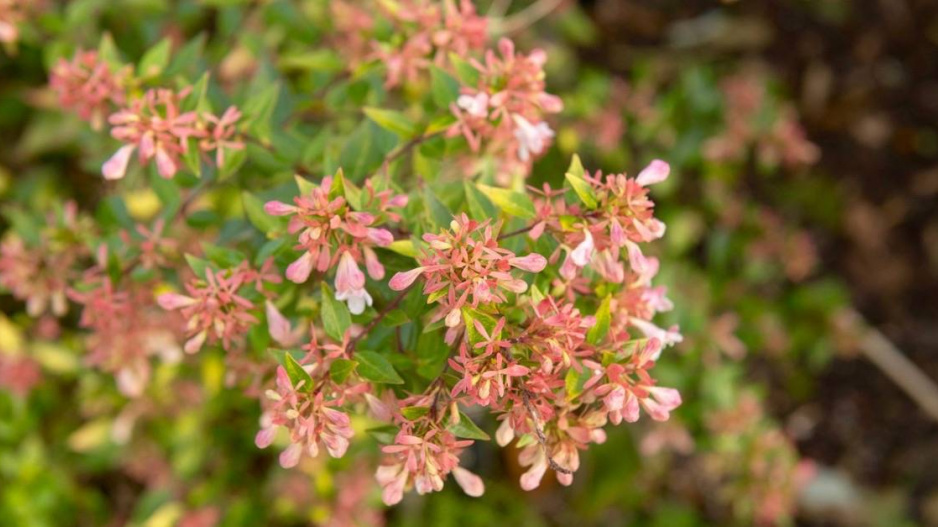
x: 331, y: 233
x: 12, y: 14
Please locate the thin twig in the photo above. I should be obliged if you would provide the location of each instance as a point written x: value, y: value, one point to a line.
x: 525, y: 18
x: 884, y: 354
x: 393, y: 156
x: 515, y: 232
x: 392, y: 305
x: 539, y: 432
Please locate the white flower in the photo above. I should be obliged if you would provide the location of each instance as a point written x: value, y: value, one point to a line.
x: 532, y: 139
x: 357, y: 300
x: 475, y: 105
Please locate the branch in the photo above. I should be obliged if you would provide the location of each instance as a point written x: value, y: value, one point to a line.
x: 515, y: 232
x: 403, y: 149
x: 526, y: 18
x: 539, y: 432
x: 884, y: 354
x: 391, y: 306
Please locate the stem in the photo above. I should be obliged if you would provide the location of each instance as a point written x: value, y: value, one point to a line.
x: 528, y: 17
x: 539, y: 432
x: 884, y: 354
x: 391, y: 306
x: 403, y: 149
x: 515, y: 232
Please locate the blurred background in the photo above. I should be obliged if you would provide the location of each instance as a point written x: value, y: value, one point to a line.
x: 802, y: 253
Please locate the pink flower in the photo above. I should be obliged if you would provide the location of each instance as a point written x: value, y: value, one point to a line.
x: 402, y: 280
x: 116, y: 166
x: 154, y: 127
x: 656, y: 172
x: 88, y: 85
x: 330, y: 233
x: 310, y: 419
x: 214, y: 308
x: 471, y: 484
x: 532, y: 263
x: 583, y: 252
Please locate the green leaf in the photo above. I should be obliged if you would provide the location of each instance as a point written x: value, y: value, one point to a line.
x: 155, y: 60
x: 488, y: 323
x: 304, y: 185
x: 223, y: 257
x: 392, y: 120
x: 109, y: 53
x: 480, y: 206
x: 299, y: 377
x: 575, y: 381
x: 198, y: 265
x: 404, y: 248
x: 259, y: 112
x: 582, y: 187
x: 466, y: 429
x: 412, y: 413
x: 384, y: 434
x: 335, y: 315
x: 374, y: 367
x: 536, y: 295
x: 465, y: 72
x: 439, y: 214
x: 340, y: 369
x: 364, y: 151
x: 314, y: 60
x: 444, y: 87
x: 338, y: 185
x: 598, y: 332
x: 514, y: 203
x: 254, y: 210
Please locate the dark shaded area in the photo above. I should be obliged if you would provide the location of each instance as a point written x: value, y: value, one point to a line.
x: 864, y: 75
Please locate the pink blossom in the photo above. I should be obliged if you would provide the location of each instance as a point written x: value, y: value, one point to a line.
x: 154, y: 127
x: 89, y: 86
x: 404, y: 279
x: 656, y: 172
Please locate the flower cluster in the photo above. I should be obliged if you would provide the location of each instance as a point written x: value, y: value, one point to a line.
x: 310, y: 417
x: 465, y: 266
x: 782, y: 141
x: 506, y: 108
x: 215, y: 308
x: 39, y: 273
x: 431, y: 31
x: 333, y: 233
x: 754, y: 463
x: 155, y: 127
x: 424, y: 461
x: 126, y: 328
x: 88, y: 86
